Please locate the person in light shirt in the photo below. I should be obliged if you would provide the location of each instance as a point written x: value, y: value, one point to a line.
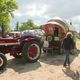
x: 46, y: 44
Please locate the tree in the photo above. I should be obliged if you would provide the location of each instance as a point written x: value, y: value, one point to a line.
x: 28, y: 25
x: 6, y: 11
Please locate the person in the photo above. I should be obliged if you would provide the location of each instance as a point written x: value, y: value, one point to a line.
x: 45, y: 45
x: 68, y: 44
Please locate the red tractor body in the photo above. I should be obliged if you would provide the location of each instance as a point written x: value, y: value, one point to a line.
x: 25, y: 47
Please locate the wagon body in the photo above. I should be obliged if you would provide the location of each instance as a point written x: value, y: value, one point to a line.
x: 55, y: 31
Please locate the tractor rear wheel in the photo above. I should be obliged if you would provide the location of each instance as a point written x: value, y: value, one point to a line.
x: 31, y: 51
x: 3, y: 61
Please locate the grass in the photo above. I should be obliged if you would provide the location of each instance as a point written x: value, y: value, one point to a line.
x: 78, y: 41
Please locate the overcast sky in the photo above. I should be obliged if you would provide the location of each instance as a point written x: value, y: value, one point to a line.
x: 42, y: 10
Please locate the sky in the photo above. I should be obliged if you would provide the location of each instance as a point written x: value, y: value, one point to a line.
x: 42, y: 10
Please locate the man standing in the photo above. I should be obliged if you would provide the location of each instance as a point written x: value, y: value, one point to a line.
x: 67, y: 44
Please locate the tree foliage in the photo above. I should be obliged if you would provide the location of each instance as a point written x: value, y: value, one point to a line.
x: 28, y: 25
x: 6, y: 11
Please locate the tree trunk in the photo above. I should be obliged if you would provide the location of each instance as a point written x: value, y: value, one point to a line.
x: 2, y: 30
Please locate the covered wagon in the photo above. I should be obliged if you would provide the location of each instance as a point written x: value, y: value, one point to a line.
x: 55, y: 31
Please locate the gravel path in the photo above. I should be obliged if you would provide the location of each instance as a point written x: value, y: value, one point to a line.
x: 49, y: 67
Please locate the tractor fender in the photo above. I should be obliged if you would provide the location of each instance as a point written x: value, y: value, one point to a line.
x: 32, y: 39
x: 28, y: 40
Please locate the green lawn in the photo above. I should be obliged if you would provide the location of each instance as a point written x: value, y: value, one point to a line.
x: 78, y: 41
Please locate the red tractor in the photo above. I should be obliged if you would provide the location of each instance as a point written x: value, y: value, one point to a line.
x: 26, y: 47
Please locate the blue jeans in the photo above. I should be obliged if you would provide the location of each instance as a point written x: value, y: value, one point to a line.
x: 67, y: 57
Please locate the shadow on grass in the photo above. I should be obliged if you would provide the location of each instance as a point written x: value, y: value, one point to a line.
x: 52, y: 59
x: 19, y: 66
x: 2, y: 71
x: 55, y: 59
x: 71, y: 74
x: 78, y: 50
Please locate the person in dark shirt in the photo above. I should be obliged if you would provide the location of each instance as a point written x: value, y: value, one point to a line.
x: 68, y: 44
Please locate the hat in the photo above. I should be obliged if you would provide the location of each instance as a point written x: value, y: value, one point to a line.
x: 69, y: 34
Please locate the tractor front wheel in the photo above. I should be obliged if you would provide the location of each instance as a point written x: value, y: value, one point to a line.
x: 31, y: 51
x: 3, y: 61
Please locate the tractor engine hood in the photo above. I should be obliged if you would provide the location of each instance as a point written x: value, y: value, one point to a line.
x: 8, y: 41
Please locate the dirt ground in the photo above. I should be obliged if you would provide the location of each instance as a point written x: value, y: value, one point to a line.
x: 49, y: 67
